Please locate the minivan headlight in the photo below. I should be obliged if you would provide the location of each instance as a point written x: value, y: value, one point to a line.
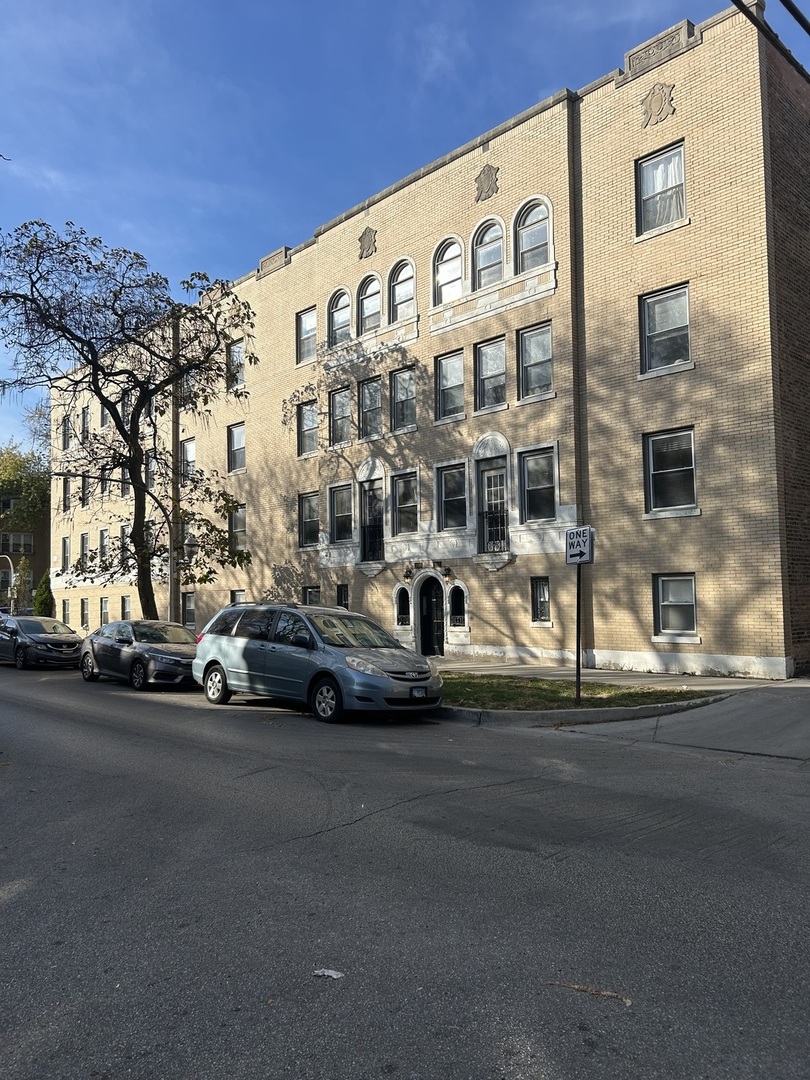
x: 357, y: 663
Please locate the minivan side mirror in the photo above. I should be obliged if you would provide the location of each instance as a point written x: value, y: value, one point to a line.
x: 301, y: 641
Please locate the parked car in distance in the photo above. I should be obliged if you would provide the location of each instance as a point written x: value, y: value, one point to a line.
x: 325, y: 659
x: 142, y: 652
x: 33, y: 641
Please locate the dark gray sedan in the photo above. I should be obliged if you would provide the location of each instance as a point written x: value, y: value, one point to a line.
x: 142, y: 652
x: 34, y: 641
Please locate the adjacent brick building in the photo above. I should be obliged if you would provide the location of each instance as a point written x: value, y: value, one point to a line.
x: 595, y: 313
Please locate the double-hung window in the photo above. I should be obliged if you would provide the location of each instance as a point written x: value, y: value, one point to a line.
x: 308, y: 519
x: 660, y: 191
x: 65, y: 553
x: 447, y: 280
x: 449, y: 386
x: 669, y: 460
x: 541, y: 603
x: 306, y: 328
x: 490, y: 374
x: 340, y: 513
x: 235, y: 363
x: 370, y: 408
x: 103, y: 545
x: 488, y: 256
x: 65, y: 432
x: 237, y: 528
x: 84, y: 549
x: 65, y: 494
x: 534, y: 361
x: 369, y: 313
x: 531, y: 245
x: 452, y: 492
x: 674, y: 602
x: 665, y: 329
x: 340, y: 416
x: 307, y: 427
x: 85, y: 424
x: 188, y: 459
x: 236, y: 447
x: 537, y: 485
x: 403, y: 399
x: 401, y: 305
x: 405, y: 504
x: 84, y: 497
x: 339, y: 314
x: 84, y: 613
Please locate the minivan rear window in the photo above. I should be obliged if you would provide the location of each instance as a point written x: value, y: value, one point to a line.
x: 224, y: 623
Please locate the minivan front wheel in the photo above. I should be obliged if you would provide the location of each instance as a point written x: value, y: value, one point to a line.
x: 326, y: 701
x: 216, y: 686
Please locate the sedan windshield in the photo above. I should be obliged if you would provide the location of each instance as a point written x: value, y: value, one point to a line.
x: 43, y: 626
x: 163, y: 634
x: 351, y: 632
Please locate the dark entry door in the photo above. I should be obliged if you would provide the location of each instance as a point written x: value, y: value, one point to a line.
x: 431, y: 612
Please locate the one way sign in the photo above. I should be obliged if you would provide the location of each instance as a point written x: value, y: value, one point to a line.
x: 579, y: 545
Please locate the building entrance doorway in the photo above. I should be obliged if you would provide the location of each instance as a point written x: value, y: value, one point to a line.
x: 431, y: 618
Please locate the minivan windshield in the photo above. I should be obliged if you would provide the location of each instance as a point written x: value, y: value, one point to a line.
x: 352, y: 632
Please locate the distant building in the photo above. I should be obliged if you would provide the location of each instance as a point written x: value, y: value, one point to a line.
x: 17, y: 545
x: 595, y: 313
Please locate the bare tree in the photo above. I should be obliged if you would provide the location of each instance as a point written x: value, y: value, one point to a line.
x: 89, y: 323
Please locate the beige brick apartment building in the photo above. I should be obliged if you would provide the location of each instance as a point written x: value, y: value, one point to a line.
x: 595, y: 313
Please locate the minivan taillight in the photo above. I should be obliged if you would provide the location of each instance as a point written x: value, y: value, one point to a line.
x: 200, y: 636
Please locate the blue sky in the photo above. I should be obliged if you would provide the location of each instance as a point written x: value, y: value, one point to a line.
x: 206, y: 135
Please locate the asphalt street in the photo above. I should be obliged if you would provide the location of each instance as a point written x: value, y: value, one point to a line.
x: 498, y: 902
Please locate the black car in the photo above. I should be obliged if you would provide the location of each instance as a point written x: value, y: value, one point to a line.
x: 32, y: 640
x: 141, y: 652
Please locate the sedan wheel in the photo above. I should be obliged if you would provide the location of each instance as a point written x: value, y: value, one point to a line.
x: 216, y: 686
x: 326, y: 701
x: 89, y: 674
x: 20, y: 658
x: 137, y: 676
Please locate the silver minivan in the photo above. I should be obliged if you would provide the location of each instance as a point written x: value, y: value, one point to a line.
x: 325, y: 659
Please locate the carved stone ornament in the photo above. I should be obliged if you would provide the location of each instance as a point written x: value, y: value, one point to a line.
x: 486, y: 183
x: 368, y: 242
x: 657, y: 105
x: 491, y: 444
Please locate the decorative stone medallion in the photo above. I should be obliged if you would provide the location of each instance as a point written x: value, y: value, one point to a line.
x: 486, y: 183
x: 657, y: 105
x: 368, y: 242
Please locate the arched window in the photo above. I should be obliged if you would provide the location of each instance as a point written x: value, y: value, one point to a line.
x: 400, y: 303
x: 403, y: 608
x: 532, y: 238
x: 458, y: 606
x: 339, y: 310
x: 488, y: 256
x: 369, y: 314
x: 447, y: 280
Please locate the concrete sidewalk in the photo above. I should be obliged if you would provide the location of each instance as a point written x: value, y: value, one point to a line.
x: 747, y: 716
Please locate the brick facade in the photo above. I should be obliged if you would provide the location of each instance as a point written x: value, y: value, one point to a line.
x: 692, y: 466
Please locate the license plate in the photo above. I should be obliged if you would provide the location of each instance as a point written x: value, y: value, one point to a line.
x: 418, y: 691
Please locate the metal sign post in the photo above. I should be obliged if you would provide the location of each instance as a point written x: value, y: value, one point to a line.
x: 579, y: 550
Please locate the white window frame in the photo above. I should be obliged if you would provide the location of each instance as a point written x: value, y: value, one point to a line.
x: 658, y: 188
x: 441, y: 413
x: 661, y: 603
x: 308, y: 432
x: 237, y: 454
x: 306, y: 336
x: 648, y: 304
x: 497, y: 378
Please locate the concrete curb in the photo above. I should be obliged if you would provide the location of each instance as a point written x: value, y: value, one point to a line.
x: 556, y: 718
